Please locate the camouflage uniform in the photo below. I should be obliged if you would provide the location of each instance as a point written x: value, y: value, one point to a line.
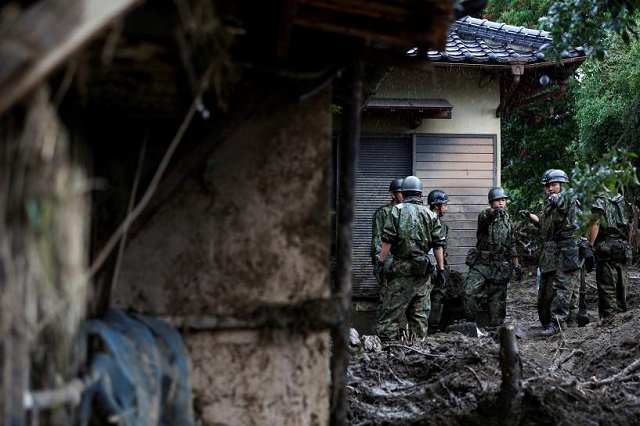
x: 438, y: 292
x: 613, y: 253
x: 379, y: 217
x: 560, y: 262
x: 412, y: 230
x: 490, y: 267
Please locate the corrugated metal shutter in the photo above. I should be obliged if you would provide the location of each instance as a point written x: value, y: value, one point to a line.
x: 380, y: 160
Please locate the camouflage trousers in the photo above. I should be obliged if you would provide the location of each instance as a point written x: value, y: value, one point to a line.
x: 577, y: 297
x: 478, y: 285
x: 557, y: 289
x: 406, y: 300
x: 612, y: 278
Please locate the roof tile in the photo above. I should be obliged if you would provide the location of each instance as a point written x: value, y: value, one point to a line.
x: 473, y: 40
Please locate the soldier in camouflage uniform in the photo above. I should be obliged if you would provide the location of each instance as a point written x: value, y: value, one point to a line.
x: 409, y: 233
x: 437, y: 200
x: 380, y: 269
x: 610, y: 236
x: 560, y: 263
x: 492, y: 261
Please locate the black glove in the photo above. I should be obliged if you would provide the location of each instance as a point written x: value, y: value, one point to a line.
x: 378, y: 270
x: 498, y: 212
x: 590, y: 263
x: 518, y: 272
x: 554, y: 199
x: 442, y: 278
x: 524, y: 214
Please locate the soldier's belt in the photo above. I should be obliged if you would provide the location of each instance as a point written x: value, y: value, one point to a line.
x: 559, y: 244
x: 493, y: 257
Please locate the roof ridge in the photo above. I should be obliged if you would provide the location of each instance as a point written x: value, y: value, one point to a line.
x: 501, y: 32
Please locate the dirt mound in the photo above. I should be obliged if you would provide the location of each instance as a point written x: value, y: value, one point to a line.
x: 587, y: 375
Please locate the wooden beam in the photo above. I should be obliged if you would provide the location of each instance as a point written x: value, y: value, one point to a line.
x: 45, y: 36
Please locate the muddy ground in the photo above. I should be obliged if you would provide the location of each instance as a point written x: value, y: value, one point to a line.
x: 583, y: 376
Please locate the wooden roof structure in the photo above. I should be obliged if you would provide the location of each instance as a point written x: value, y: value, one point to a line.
x: 150, y: 54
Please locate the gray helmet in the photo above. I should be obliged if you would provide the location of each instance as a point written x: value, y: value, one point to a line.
x: 437, y: 196
x: 411, y: 183
x: 554, y: 175
x: 496, y: 193
x: 396, y: 185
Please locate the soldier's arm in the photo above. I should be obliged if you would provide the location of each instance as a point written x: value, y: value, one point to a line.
x: 438, y: 253
x: 593, y: 232
x: 386, y: 248
x: 376, y: 234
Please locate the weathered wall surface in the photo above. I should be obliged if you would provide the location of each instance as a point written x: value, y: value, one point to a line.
x: 252, y: 232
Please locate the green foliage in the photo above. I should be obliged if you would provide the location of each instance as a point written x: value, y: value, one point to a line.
x: 607, y: 106
x: 525, y: 13
x: 534, y: 140
x: 597, y: 125
x: 574, y: 23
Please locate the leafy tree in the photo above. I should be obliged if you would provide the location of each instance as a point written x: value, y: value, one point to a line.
x: 608, y: 103
x: 588, y: 22
x: 596, y: 126
x: 533, y: 140
x: 525, y: 13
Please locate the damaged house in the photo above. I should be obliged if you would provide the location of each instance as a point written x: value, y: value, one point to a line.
x: 440, y: 121
x: 174, y: 160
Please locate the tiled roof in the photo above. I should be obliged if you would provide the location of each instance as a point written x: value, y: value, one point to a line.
x: 473, y: 40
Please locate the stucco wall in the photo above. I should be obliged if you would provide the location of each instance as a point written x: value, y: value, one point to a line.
x: 473, y: 93
x: 252, y: 232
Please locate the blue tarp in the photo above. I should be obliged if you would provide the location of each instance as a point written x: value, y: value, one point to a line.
x: 143, y: 370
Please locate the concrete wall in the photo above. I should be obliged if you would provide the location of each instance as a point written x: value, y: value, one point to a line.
x: 251, y: 233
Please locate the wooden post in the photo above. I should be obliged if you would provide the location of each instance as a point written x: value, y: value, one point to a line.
x: 511, y: 389
x: 342, y: 285
x: 43, y: 260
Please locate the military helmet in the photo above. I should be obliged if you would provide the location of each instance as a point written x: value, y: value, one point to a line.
x: 396, y: 185
x: 554, y: 175
x: 411, y: 183
x: 496, y: 193
x: 437, y: 196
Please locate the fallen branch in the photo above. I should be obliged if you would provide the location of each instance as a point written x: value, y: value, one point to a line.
x: 397, y: 345
x: 559, y: 361
x: 476, y: 376
x: 622, y: 376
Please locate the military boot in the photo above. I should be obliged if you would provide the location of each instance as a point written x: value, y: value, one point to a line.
x: 434, y: 318
x: 549, y: 331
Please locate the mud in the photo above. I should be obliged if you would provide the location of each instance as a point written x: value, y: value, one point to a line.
x: 582, y: 376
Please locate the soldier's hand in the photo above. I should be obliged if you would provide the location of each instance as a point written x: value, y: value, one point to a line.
x: 378, y: 270
x: 589, y: 263
x: 554, y: 199
x: 518, y: 271
x: 442, y: 278
x: 498, y: 212
x: 524, y: 214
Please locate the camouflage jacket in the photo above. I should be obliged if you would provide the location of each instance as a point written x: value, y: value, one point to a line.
x: 379, y: 217
x: 615, y: 216
x: 445, y: 233
x: 558, y: 227
x: 559, y: 220
x: 495, y: 235
x: 412, y: 229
